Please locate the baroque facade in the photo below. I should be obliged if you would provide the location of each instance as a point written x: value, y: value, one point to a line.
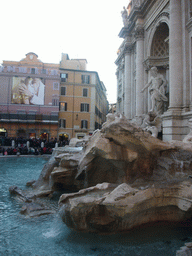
x: 154, y: 65
x: 83, y: 104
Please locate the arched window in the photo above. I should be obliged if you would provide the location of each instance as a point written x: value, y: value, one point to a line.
x: 160, y: 44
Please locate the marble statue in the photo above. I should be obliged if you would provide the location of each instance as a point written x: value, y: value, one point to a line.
x: 188, y: 138
x: 156, y: 86
x: 124, y: 14
x: 152, y: 123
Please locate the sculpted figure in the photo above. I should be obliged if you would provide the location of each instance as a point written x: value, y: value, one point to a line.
x: 156, y: 86
x: 152, y: 123
x: 188, y: 138
x: 124, y: 14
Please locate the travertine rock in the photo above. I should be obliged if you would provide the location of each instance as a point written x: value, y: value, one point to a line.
x: 120, y: 152
x: 153, y: 181
x: 59, y: 172
x: 123, y: 208
x: 185, y: 250
x: 36, y: 209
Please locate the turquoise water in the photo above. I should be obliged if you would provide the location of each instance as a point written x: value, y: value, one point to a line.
x: 49, y: 236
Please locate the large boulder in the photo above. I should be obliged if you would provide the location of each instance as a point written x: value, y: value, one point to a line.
x: 152, y: 179
x: 104, y: 209
x: 59, y: 172
x: 119, y: 152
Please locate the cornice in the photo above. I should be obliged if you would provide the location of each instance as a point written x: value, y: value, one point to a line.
x: 160, y: 15
x: 125, y: 31
x: 158, y: 62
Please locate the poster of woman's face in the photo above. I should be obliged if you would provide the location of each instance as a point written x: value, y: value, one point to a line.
x: 27, y: 90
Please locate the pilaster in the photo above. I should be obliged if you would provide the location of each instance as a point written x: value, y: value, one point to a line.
x: 176, y: 58
x: 127, y: 102
x: 139, y: 36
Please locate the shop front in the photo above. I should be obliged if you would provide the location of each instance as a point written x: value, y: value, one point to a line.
x: 3, y: 132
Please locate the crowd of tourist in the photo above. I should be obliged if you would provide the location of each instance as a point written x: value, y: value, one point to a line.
x: 21, y: 146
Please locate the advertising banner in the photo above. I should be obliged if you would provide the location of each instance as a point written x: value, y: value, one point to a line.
x: 27, y: 90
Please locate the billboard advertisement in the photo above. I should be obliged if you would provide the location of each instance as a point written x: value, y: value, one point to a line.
x: 27, y: 90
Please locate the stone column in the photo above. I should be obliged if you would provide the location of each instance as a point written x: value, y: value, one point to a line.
x: 175, y: 56
x: 172, y: 120
x: 127, y: 103
x: 133, y: 100
x: 139, y: 35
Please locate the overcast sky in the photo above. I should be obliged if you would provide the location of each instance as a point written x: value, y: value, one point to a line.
x: 83, y: 29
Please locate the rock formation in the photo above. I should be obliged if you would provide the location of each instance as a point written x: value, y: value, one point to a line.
x: 124, y: 177
x: 104, y: 209
x: 50, y: 180
x: 152, y: 180
x: 185, y: 250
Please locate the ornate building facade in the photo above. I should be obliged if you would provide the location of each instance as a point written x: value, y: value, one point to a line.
x: 156, y: 33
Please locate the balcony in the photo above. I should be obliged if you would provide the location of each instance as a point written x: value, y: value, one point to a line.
x: 28, y: 118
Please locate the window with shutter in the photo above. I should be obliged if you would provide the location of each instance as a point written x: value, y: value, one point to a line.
x: 63, y: 90
x: 84, y: 107
x: 85, y: 92
x: 85, y: 79
x: 84, y: 124
x: 62, y: 123
x: 63, y: 106
x: 64, y: 77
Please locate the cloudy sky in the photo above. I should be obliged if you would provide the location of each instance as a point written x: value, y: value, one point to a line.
x: 84, y: 29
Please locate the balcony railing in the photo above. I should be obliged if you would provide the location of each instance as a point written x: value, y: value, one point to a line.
x: 9, y: 117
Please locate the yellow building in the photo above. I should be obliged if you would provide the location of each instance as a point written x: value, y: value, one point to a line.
x: 83, y: 103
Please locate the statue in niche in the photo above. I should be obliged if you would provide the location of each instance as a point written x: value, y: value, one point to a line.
x: 124, y: 14
x: 156, y: 86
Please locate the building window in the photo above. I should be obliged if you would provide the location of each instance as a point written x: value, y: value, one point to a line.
x: 53, y: 72
x: 84, y: 124
x: 96, y: 125
x: 85, y: 92
x: 55, y: 86
x: 11, y: 68
x: 160, y: 45
x: 33, y: 71
x: 84, y: 107
x: 98, y: 112
x: 63, y: 90
x: 62, y: 123
x: 85, y: 79
x: 55, y: 102
x: 64, y: 77
x: 63, y: 106
x: 190, y: 8
x: 44, y: 71
x: 22, y: 70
